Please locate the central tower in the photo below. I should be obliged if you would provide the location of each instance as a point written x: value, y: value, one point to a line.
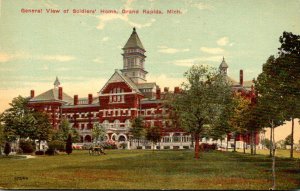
x: 134, y: 59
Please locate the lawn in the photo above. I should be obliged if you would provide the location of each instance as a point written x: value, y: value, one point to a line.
x: 279, y: 152
x: 140, y: 169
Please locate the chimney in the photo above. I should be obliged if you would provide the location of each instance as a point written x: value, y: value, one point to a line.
x: 31, y: 93
x: 176, y: 90
x: 241, y: 78
x: 166, y: 89
x: 75, y: 99
x: 157, y: 93
x: 90, y: 98
x: 60, y: 93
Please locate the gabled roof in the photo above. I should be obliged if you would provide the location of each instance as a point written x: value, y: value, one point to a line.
x: 118, y: 77
x: 134, y: 41
x: 51, y: 95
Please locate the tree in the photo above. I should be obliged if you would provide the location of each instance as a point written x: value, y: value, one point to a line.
x: 7, y: 148
x: 69, y: 145
x: 18, y: 120
x: 203, y: 99
x: 137, y: 129
x: 288, y: 73
x: 98, y: 132
x: 239, y: 117
x: 43, y: 128
x: 153, y: 134
x: 270, y: 104
x: 64, y: 130
x: 288, y: 140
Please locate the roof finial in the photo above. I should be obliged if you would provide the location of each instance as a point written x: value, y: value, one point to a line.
x: 223, y: 58
x: 56, y: 83
x: 133, y: 29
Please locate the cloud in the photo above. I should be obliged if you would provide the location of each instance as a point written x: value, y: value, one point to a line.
x: 98, y: 60
x: 202, y: 6
x: 59, y: 58
x: 106, y: 18
x: 167, y: 50
x: 191, y: 61
x: 6, y: 57
x: 105, y: 39
x: 223, y: 41
x: 212, y: 50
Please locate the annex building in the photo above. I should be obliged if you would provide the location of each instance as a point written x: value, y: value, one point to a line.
x: 126, y: 95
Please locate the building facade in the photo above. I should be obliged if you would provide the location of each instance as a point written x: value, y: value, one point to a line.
x: 126, y: 95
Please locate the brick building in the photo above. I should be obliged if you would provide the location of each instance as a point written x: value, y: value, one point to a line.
x: 126, y: 95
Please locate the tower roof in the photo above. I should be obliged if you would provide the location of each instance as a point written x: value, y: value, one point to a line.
x: 134, y: 41
x: 223, y: 64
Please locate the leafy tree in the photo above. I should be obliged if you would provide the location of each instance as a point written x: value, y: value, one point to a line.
x: 288, y: 140
x: 7, y: 148
x: 69, y: 145
x: 98, y: 132
x: 287, y: 71
x: 18, y: 120
x: 238, y: 119
x: 202, y: 101
x: 153, y: 134
x: 64, y: 130
x: 43, y: 128
x: 137, y: 129
x: 266, y: 142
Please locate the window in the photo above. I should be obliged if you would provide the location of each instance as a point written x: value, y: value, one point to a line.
x: 116, y: 95
x: 127, y: 123
x: 130, y: 62
x: 116, y: 123
x: 105, y: 124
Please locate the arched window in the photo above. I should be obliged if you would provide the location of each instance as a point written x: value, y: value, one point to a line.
x: 116, y: 123
x: 105, y: 124
x: 127, y: 123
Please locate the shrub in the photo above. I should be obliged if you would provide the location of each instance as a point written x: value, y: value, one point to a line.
x: 123, y: 145
x: 27, y: 146
x: 39, y: 152
x: 58, y: 145
x: 49, y: 151
x: 69, y: 145
x: 7, y: 148
x: 109, y: 145
x: 207, y: 147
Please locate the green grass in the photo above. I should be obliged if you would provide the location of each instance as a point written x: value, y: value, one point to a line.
x: 279, y: 152
x: 139, y: 169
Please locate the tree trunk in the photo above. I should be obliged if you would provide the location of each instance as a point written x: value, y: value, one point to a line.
x: 244, y: 143
x: 221, y: 144
x: 292, y: 139
x: 227, y: 144
x: 271, y: 142
x: 251, y: 142
x: 138, y: 142
x: 273, y: 160
x: 234, y: 145
x: 196, y: 145
x: 39, y: 145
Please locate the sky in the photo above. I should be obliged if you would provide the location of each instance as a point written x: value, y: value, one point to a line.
x: 83, y: 50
